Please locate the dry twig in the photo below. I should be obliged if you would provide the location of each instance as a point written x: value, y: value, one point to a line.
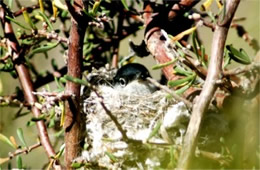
x: 210, y: 86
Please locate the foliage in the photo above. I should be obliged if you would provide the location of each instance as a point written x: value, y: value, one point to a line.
x: 43, y: 31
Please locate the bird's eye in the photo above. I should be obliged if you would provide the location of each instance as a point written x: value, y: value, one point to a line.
x: 122, y: 82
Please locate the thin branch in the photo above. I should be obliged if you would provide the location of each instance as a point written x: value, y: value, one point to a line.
x: 210, y: 86
x: 24, y: 151
x: 237, y: 71
x: 24, y: 77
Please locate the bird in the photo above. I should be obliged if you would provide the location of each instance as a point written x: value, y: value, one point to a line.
x: 131, y: 79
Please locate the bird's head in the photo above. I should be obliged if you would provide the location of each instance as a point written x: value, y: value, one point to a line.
x: 131, y: 79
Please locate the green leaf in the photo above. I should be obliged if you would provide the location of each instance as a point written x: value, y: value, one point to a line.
x: 164, y: 64
x: 179, y: 70
x: 111, y: 156
x: 6, y: 140
x: 41, y: 117
x: 238, y: 56
x: 21, y: 137
x: 125, y: 4
x: 184, y: 88
x: 155, y: 130
x: 76, y: 165
x: 19, y: 162
x: 46, y: 19
x: 30, y: 123
x: 44, y: 48
x: 195, y: 44
x: 54, y: 64
x: 76, y: 80
x: 95, y: 7
x: 27, y: 19
x: 181, y: 82
x: 17, y: 23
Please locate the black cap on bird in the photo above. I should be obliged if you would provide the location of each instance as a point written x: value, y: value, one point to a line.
x: 131, y: 78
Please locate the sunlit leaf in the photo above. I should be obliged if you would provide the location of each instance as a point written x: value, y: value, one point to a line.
x: 159, y: 66
x: 19, y: 162
x: 20, y: 136
x: 46, y: 19
x: 179, y: 70
x: 6, y: 140
x: 41, y: 6
x: 181, y: 82
x: 155, y: 130
x: 12, y: 139
x: 206, y: 5
x: 28, y: 19
x: 4, y: 160
x: 44, y: 48
x: 238, y: 56
x: 60, y: 5
x: 17, y: 23
x: 182, y: 34
x: 125, y: 4
x: 111, y: 156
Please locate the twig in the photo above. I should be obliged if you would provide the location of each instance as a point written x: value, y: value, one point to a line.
x: 237, y: 71
x: 223, y: 160
x: 209, y: 88
x: 25, y: 79
x: 25, y: 150
x: 165, y: 88
x: 112, y: 117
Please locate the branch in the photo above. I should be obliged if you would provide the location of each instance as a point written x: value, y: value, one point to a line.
x: 24, y: 77
x: 153, y: 34
x: 210, y: 86
x: 73, y: 117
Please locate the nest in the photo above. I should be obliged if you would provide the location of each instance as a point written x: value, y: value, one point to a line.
x: 152, y: 124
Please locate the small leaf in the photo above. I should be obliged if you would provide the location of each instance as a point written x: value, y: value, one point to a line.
x: 27, y: 19
x: 239, y: 56
x: 46, y: 19
x: 41, y: 117
x: 12, y: 139
x: 41, y: 6
x: 17, y: 23
x: 125, y: 4
x: 62, y: 119
x: 181, y: 82
x: 59, y: 154
x: 155, y: 130
x: 111, y: 156
x: 19, y: 162
x: 184, y: 88
x: 76, y: 165
x: 44, y: 48
x: 206, y: 5
x: 6, y: 140
x: 21, y: 137
x: 182, y: 34
x: 179, y: 70
x: 54, y: 10
x: 60, y: 5
x: 164, y: 64
x: 96, y: 6
x: 77, y: 80
x: 4, y: 160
